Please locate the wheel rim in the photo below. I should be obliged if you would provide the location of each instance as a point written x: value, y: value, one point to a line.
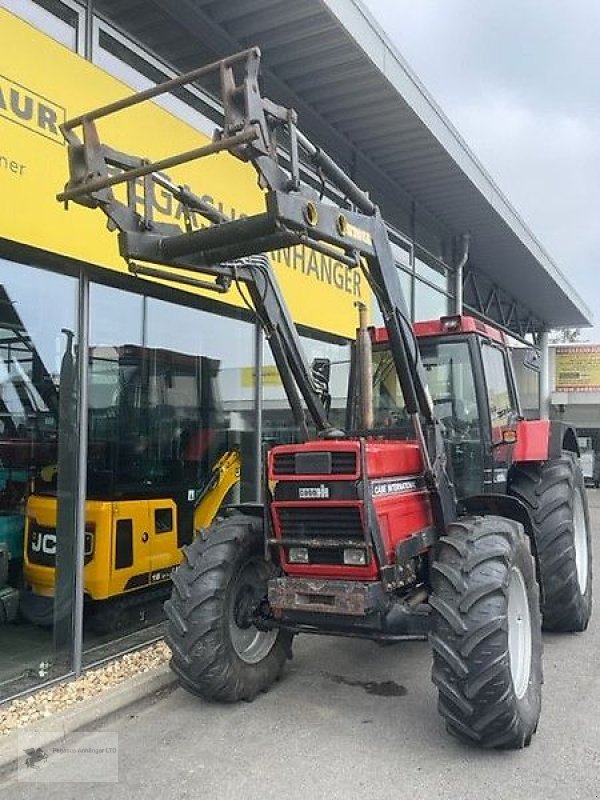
x: 249, y: 643
x: 580, y: 541
x: 519, y: 632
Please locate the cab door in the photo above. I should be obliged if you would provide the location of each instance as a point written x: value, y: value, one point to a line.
x: 503, y: 414
x: 131, y: 549
x: 163, y: 528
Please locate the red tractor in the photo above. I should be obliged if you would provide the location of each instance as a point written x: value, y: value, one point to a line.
x: 437, y: 511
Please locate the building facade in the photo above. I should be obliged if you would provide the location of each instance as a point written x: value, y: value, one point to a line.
x: 171, y: 374
x: 124, y: 402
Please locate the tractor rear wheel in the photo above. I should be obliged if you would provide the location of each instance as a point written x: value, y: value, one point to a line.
x: 217, y: 651
x: 555, y: 496
x: 486, y: 633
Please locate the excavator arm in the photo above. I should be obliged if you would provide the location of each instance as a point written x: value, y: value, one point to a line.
x: 258, y: 131
x: 225, y: 475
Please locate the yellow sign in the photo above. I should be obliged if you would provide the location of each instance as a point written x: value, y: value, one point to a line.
x: 34, y: 100
x: 24, y: 107
x: 577, y: 368
x: 270, y: 376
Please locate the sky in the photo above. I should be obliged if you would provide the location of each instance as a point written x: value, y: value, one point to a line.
x: 520, y: 81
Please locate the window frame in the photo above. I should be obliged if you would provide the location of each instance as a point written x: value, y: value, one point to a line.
x: 514, y: 412
x: 36, y: 14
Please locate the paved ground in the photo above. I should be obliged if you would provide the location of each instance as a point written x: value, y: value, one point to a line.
x: 322, y: 733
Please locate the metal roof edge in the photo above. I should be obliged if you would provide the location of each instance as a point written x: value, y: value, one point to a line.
x: 373, y: 40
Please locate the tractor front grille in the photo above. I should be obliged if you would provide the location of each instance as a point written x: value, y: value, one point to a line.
x: 316, y: 522
x: 322, y: 527
x: 337, y: 462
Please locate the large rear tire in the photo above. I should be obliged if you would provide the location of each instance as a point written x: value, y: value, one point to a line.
x: 217, y: 652
x: 556, y: 498
x: 486, y: 633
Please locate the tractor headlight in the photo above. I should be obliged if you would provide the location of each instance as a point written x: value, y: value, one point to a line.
x: 355, y: 558
x: 298, y: 555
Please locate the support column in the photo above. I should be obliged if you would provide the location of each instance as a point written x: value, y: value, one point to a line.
x: 258, y: 416
x: 544, y: 376
x: 88, y: 42
x: 82, y: 414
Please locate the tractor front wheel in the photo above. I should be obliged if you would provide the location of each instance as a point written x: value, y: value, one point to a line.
x: 486, y: 633
x: 217, y: 650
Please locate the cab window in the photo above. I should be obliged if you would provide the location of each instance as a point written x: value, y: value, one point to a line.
x: 502, y: 407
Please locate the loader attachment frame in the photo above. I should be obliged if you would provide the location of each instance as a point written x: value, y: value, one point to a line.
x: 229, y: 251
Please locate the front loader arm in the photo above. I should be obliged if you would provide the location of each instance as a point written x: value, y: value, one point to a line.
x: 353, y: 233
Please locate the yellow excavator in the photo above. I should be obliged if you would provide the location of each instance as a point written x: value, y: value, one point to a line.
x: 156, y: 426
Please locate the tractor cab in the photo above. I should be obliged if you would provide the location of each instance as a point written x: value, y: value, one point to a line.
x: 471, y: 383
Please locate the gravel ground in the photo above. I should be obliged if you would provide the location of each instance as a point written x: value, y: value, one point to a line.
x: 64, y: 695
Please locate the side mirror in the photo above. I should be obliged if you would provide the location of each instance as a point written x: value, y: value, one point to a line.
x: 321, y: 373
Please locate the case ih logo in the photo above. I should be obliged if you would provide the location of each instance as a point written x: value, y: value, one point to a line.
x: 313, y: 492
x: 30, y: 110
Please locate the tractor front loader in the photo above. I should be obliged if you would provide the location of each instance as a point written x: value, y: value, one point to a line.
x: 437, y: 512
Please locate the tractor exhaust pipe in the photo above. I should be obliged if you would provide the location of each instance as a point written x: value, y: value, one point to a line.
x: 365, y: 368
x: 459, y: 272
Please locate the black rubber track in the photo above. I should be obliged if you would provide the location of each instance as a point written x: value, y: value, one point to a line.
x: 469, y: 635
x: 199, y: 611
x: 547, y: 490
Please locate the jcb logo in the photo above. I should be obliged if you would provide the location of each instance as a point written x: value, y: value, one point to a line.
x: 25, y: 107
x: 44, y: 542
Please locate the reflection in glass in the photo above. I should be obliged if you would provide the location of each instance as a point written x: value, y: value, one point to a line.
x: 38, y: 440
x: 435, y: 273
x: 429, y: 303
x: 279, y: 426
x: 170, y: 428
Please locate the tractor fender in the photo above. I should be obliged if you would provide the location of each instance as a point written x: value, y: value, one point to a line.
x: 562, y: 437
x: 543, y: 440
x: 503, y: 505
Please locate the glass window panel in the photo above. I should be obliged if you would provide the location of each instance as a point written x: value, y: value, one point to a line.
x: 115, y: 316
x: 278, y: 423
x: 498, y: 388
x: 38, y: 478
x: 429, y: 303
x: 437, y: 275
x: 401, y: 254
x: 449, y: 373
x: 405, y: 282
x: 171, y: 426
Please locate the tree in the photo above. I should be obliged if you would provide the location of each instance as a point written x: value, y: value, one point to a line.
x: 567, y: 336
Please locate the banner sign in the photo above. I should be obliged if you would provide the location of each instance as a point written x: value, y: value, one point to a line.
x: 42, y: 83
x: 577, y: 368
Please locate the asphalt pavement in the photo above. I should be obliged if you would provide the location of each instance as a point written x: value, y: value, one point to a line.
x: 349, y: 719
